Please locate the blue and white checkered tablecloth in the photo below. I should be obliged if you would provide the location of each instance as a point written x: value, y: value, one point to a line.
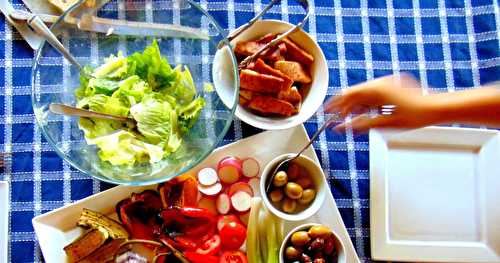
x: 449, y: 45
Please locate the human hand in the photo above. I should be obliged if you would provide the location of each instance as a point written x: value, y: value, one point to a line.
x: 400, y: 103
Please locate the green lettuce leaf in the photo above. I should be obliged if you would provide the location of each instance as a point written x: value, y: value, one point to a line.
x: 152, y: 67
x: 115, y: 67
x: 122, y: 148
x: 153, y: 118
x: 188, y: 114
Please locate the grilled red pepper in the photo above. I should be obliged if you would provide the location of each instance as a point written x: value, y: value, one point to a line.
x: 191, y: 221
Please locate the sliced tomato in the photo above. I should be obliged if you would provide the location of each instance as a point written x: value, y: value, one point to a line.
x: 233, y: 257
x: 199, y: 258
x: 210, y: 247
x: 233, y: 235
x: 224, y: 219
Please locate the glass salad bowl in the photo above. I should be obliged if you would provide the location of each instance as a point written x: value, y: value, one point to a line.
x: 179, y: 119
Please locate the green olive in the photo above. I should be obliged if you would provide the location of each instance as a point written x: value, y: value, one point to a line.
x: 292, y: 253
x: 305, y: 182
x: 289, y: 205
x: 280, y: 179
x: 300, y: 239
x: 307, y: 197
x: 293, y: 190
x: 276, y: 195
x: 319, y: 231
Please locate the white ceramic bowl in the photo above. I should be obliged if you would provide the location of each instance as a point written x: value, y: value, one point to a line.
x: 222, y: 78
x: 339, y: 246
x: 316, y: 175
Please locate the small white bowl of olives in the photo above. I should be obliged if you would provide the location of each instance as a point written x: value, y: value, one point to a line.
x: 312, y: 243
x: 296, y: 193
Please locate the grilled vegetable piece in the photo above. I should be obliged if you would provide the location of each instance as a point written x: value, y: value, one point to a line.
x: 180, y: 191
x: 293, y: 70
x: 292, y: 95
x: 96, y: 220
x: 105, y: 253
x: 262, y: 83
x: 85, y: 244
x: 296, y: 53
x: 270, y: 105
x: 138, y: 218
x: 261, y: 67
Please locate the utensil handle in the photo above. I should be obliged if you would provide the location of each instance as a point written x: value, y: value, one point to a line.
x: 325, y: 125
x: 73, y: 111
x: 40, y: 28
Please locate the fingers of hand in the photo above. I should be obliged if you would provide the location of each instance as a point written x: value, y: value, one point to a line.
x: 364, y: 122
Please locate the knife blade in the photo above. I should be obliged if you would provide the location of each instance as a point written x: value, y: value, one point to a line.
x: 133, y: 28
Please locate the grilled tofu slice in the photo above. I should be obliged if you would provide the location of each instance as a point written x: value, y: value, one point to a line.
x: 105, y: 253
x: 296, y: 53
x: 244, y: 49
x: 246, y: 94
x: 85, y: 244
x: 270, y: 105
x: 291, y: 95
x: 261, y: 67
x: 262, y: 83
x: 293, y: 70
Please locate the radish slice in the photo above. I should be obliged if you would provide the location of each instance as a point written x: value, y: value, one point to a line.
x: 229, y: 170
x: 244, y: 218
x: 255, y: 185
x: 207, y: 176
x: 223, y: 204
x: 241, y: 201
x: 210, y: 190
x: 250, y: 167
x: 226, y: 219
x: 208, y: 203
x: 240, y: 186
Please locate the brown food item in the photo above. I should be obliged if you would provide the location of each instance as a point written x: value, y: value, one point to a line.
x: 296, y: 53
x: 244, y: 49
x: 261, y: 67
x: 291, y: 95
x: 262, y: 83
x: 96, y: 220
x: 63, y: 5
x: 266, y: 104
x: 293, y: 70
x: 85, y: 244
x: 246, y: 94
x: 243, y: 101
x: 105, y: 253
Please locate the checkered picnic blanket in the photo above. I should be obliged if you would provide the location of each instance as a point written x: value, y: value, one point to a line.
x: 449, y: 45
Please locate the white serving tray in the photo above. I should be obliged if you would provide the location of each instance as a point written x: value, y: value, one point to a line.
x: 57, y: 228
x: 4, y: 221
x: 435, y: 195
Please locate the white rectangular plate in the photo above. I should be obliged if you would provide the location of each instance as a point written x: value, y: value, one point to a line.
x: 435, y: 195
x: 57, y: 228
x: 4, y: 221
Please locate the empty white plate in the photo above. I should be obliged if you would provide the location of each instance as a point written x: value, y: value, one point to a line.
x: 435, y: 195
x: 4, y: 221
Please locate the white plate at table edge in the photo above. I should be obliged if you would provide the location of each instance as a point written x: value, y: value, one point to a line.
x: 461, y: 152
x: 58, y: 228
x: 4, y: 221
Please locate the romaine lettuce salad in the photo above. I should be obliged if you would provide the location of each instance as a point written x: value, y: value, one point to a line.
x: 145, y: 87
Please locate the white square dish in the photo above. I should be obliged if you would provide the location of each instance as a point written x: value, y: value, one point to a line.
x: 434, y: 195
x: 58, y: 228
x: 4, y: 221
